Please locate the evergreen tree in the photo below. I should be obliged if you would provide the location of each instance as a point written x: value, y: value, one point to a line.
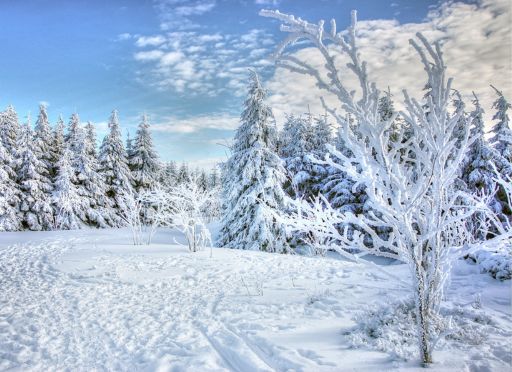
x: 90, y: 136
x: 168, y: 175
x: 501, y: 139
x: 44, y: 148
x: 58, y: 142
x: 298, y: 142
x: 35, y: 206
x: 114, y: 170
x: 89, y: 183
x: 68, y: 203
x: 183, y: 174
x: 214, y: 179
x: 143, y: 159
x: 10, y: 130
x: 9, y: 199
x: 252, y: 179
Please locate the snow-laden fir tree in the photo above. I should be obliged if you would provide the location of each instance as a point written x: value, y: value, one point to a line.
x: 90, y: 136
x: 35, y: 187
x: 143, y: 159
x: 168, y: 175
x: 44, y: 148
x: 9, y: 219
x: 214, y: 179
x: 43, y: 136
x: 184, y: 174
x: 10, y: 130
x: 114, y: 170
x: 477, y: 169
x: 68, y: 203
x: 322, y: 138
x: 89, y: 183
x: 252, y: 181
x: 478, y: 172
x: 501, y: 141
x: 297, y: 143
x: 59, y: 144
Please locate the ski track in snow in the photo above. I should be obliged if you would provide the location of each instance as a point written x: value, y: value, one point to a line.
x: 138, y: 310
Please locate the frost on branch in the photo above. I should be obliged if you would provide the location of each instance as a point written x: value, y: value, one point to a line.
x: 409, y: 176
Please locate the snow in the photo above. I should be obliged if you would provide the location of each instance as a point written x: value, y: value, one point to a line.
x: 88, y: 300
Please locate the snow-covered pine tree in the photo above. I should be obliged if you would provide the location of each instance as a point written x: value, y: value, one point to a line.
x: 297, y: 143
x: 184, y: 174
x: 44, y: 148
x: 252, y: 179
x: 501, y: 141
x: 90, y: 136
x: 72, y: 137
x: 143, y: 159
x: 9, y: 136
x: 69, y: 205
x: 168, y: 175
x: 59, y: 144
x: 322, y: 137
x: 35, y: 204
x: 89, y: 183
x: 477, y: 170
x: 202, y: 180
x: 114, y: 170
x: 9, y: 199
x: 10, y: 130
x: 214, y: 179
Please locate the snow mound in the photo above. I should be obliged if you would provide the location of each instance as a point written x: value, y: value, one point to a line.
x: 497, y: 263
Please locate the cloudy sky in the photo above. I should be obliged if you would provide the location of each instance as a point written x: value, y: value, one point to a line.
x: 185, y: 62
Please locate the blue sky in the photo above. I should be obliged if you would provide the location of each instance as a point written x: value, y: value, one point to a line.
x: 182, y: 62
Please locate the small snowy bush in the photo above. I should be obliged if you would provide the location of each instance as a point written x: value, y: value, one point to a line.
x: 390, y: 328
x: 496, y: 263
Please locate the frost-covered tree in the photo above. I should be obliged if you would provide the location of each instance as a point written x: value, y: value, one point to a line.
x: 143, y: 159
x: 43, y: 139
x: 9, y: 219
x: 10, y: 130
x: 414, y: 197
x: 89, y: 183
x: 59, y: 144
x: 478, y: 171
x: 297, y: 143
x: 184, y: 174
x: 501, y: 139
x: 114, y: 170
x: 35, y: 186
x: 214, y: 179
x: 252, y: 181
x: 69, y: 204
x: 168, y: 176
x: 90, y: 136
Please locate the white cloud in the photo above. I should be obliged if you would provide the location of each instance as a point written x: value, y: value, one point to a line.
x: 476, y: 43
x: 196, y: 123
x: 144, y: 41
x: 151, y: 55
x: 198, y: 63
x: 124, y: 36
x: 176, y: 14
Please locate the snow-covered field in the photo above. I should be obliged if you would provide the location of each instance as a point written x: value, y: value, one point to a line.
x: 88, y: 300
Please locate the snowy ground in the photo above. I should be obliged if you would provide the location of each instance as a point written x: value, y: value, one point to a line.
x: 88, y: 300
